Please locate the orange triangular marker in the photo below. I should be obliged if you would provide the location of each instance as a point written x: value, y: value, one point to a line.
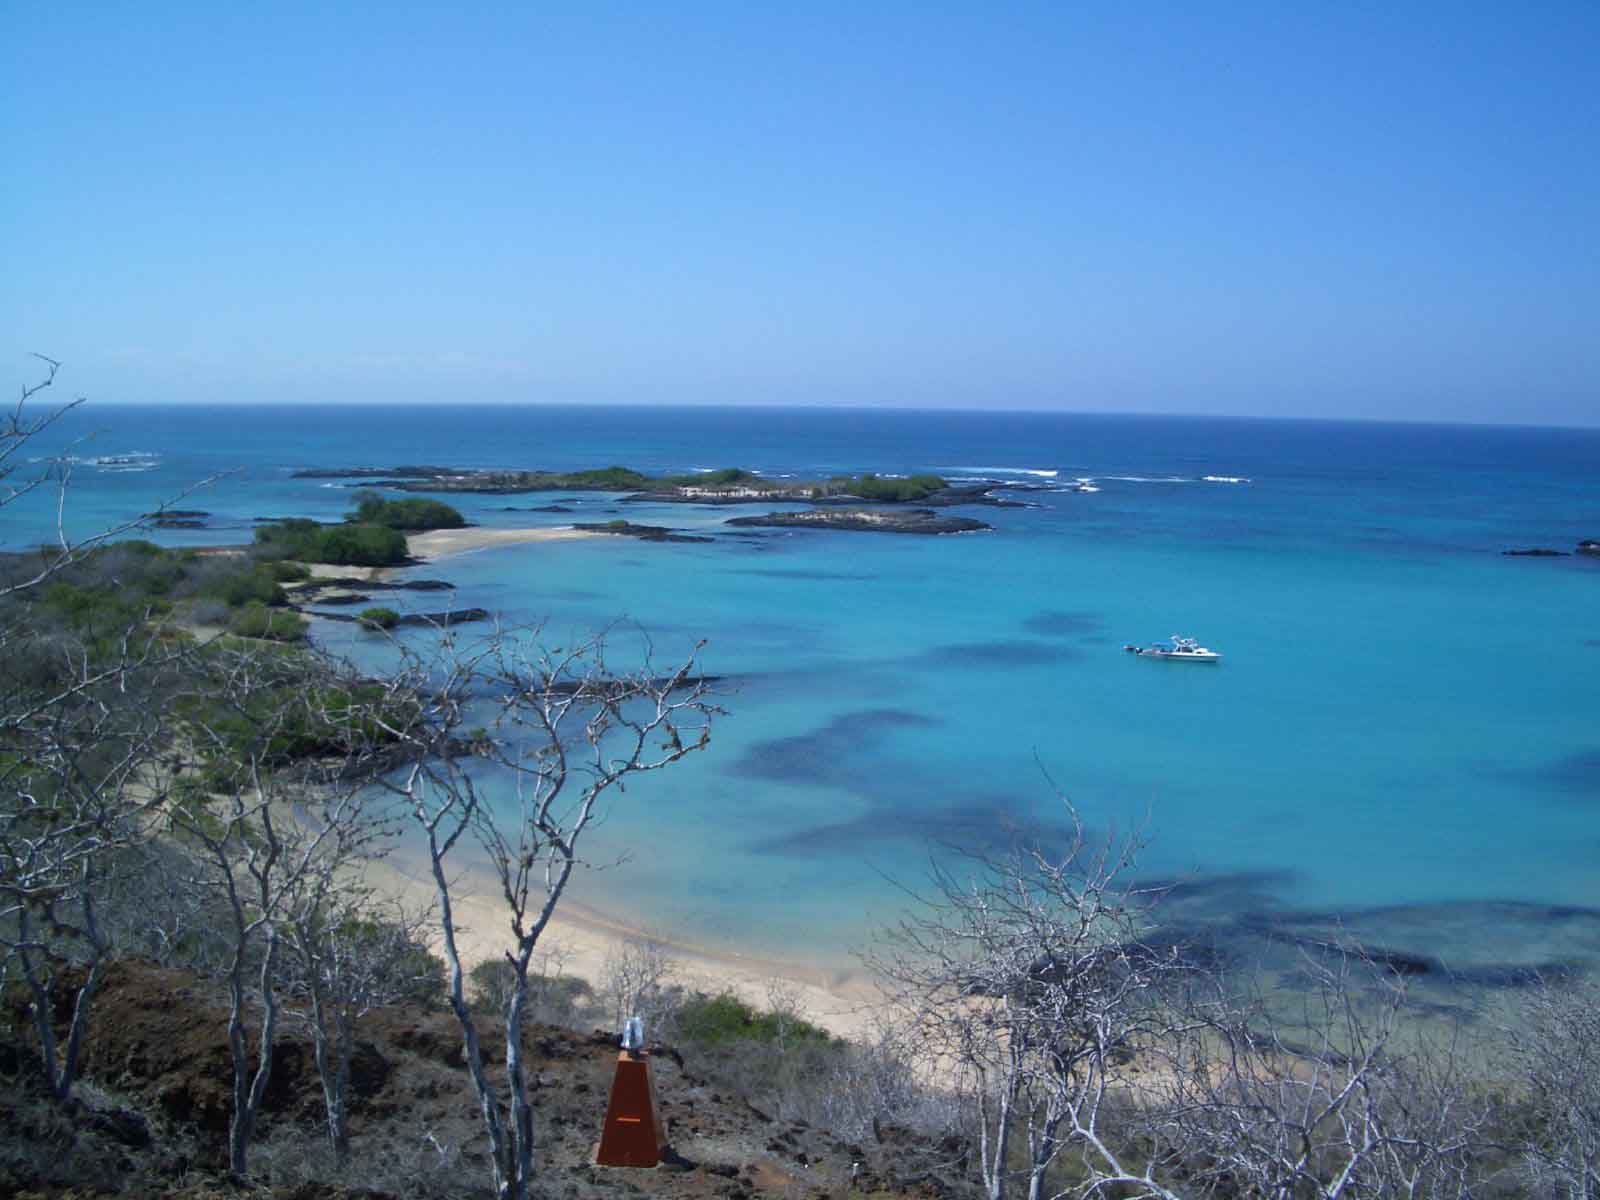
x: 634, y: 1135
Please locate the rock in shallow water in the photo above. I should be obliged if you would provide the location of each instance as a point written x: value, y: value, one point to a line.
x: 915, y: 520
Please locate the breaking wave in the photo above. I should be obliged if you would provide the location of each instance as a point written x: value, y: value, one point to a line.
x: 1040, y: 472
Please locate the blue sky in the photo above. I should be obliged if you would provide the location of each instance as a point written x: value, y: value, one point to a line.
x: 1352, y: 209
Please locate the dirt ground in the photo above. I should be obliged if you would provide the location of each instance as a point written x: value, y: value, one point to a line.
x: 153, y: 1115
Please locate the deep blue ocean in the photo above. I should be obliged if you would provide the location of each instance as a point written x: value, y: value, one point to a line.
x: 1403, y: 738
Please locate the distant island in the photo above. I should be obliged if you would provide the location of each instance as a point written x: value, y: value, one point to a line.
x: 732, y: 485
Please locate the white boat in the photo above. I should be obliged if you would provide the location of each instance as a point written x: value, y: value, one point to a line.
x: 1176, y: 649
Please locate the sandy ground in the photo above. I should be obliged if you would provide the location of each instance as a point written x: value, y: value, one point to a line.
x: 442, y: 543
x: 841, y: 1001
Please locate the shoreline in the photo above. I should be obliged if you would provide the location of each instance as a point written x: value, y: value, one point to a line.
x: 581, y: 940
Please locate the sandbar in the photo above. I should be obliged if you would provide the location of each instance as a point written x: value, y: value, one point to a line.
x: 442, y: 543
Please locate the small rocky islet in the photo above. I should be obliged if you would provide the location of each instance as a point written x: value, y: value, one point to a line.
x: 731, y: 485
x: 913, y: 520
x: 838, y: 501
x: 1589, y: 547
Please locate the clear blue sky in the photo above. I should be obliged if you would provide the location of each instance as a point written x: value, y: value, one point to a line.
x: 1340, y: 209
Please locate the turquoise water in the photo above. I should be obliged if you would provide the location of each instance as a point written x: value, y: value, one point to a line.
x: 1404, y: 735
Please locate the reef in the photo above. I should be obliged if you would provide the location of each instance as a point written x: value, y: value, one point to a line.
x: 648, y: 533
x: 861, y: 520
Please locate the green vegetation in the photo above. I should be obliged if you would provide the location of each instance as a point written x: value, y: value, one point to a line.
x: 341, y: 545
x: 256, y: 620
x: 727, y: 477
x: 874, y: 487
x: 295, y: 713
x: 255, y: 586
x: 379, y: 618
x: 621, y: 479
x: 724, y: 1018
x: 372, y: 537
x: 552, y: 998
x: 413, y: 515
x: 625, y: 479
x: 129, y: 587
x: 284, y: 571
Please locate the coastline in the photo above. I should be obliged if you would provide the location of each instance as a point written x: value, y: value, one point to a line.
x: 583, y: 939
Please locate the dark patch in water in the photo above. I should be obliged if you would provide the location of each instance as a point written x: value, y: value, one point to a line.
x: 984, y: 824
x: 1220, y: 894
x: 1052, y: 623
x: 999, y: 654
x: 1574, y: 774
x: 1443, y: 950
x: 828, y: 754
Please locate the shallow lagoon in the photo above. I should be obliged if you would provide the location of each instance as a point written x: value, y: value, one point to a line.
x: 1403, y: 734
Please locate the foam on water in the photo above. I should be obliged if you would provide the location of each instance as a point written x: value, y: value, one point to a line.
x: 1046, y: 474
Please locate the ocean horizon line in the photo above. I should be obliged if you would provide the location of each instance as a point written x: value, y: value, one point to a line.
x: 821, y: 407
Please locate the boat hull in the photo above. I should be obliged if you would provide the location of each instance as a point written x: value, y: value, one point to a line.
x: 1201, y: 655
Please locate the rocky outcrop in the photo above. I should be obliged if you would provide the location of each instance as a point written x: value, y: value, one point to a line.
x: 457, y: 616
x: 748, y: 488
x: 1589, y: 547
x: 862, y: 520
x: 377, y: 472
x: 947, y: 497
x: 177, y: 518
x: 648, y: 533
x: 349, y: 583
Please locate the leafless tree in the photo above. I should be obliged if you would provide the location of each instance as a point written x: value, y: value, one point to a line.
x: 879, y: 1079
x: 75, y: 781
x: 1101, y: 1060
x: 637, y: 981
x: 82, y: 728
x: 560, y: 730
x: 1028, y: 979
x: 1333, y: 1088
x: 1554, y: 1057
x: 349, y: 953
x: 268, y: 824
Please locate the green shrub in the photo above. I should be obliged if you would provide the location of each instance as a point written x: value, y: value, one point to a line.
x: 341, y: 545
x: 716, y: 1020
x: 300, y: 718
x: 553, y: 999
x: 256, y: 620
x: 379, y: 618
x: 872, y: 487
x: 621, y: 479
x: 249, y: 586
x: 373, y: 509
x: 726, y: 477
x: 284, y: 571
x: 362, y: 546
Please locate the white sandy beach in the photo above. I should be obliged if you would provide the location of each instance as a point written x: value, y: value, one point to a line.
x: 840, y: 1001
x: 443, y: 543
